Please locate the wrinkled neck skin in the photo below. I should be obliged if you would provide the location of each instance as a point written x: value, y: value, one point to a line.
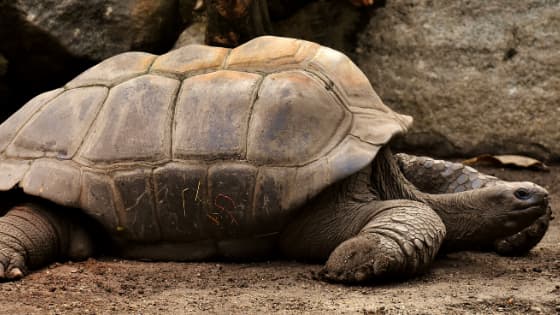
x: 468, y: 217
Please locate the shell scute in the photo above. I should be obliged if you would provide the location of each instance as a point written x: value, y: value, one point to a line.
x: 136, y: 205
x: 114, y: 70
x: 53, y: 180
x: 273, y: 188
x: 294, y: 120
x: 181, y: 200
x: 134, y: 123
x: 67, y: 119
x: 13, y: 124
x: 190, y: 59
x: 378, y: 129
x: 271, y: 54
x: 351, y: 155
x: 97, y: 199
x: 212, y: 114
x: 351, y: 82
x: 231, y: 190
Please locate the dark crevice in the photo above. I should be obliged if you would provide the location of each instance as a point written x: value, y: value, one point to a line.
x: 509, y: 54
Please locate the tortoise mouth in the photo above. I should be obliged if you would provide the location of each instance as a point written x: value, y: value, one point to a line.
x: 520, y: 218
x: 537, y: 210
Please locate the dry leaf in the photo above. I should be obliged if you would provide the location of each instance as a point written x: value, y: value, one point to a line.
x: 513, y: 161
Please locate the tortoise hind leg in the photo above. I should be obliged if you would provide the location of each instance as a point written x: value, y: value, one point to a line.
x: 33, y: 235
x: 439, y: 176
x: 367, y: 242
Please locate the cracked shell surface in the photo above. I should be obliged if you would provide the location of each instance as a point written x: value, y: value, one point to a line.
x: 199, y: 143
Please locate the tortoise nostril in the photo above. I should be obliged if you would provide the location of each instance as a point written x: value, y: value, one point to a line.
x: 522, y: 194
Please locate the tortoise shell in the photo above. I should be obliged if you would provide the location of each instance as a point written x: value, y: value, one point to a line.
x: 201, y: 142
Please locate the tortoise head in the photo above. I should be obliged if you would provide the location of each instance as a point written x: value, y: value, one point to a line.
x: 477, y: 218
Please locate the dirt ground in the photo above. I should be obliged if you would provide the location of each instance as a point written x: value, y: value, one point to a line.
x: 460, y: 283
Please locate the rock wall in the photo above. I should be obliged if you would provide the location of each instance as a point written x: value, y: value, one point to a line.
x: 478, y: 76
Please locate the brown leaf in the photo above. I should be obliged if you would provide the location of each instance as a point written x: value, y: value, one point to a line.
x: 512, y: 161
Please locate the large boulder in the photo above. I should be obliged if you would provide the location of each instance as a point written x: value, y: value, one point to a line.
x: 47, y: 42
x: 478, y: 76
x: 99, y: 29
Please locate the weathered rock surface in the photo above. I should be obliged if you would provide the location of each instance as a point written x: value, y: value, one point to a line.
x: 101, y: 28
x: 478, y: 76
x: 47, y: 42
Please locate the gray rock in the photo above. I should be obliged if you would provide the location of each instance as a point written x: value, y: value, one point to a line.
x: 48, y: 42
x: 101, y: 28
x: 478, y: 76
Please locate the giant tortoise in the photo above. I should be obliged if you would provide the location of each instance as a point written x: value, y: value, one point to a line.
x: 276, y: 147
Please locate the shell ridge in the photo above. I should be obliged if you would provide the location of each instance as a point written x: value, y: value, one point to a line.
x: 225, y: 62
x: 89, y: 131
x: 254, y: 98
x: 254, y: 194
x: 136, y: 75
x: 151, y: 185
x: 91, y: 124
x: 118, y: 204
x: 103, y: 82
x: 172, y: 123
x: 149, y: 68
x: 171, y: 118
x: 329, y: 84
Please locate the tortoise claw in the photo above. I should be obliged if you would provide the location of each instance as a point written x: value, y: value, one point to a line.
x: 12, y: 265
x: 15, y: 273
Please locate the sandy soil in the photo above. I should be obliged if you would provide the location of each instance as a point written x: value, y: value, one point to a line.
x: 460, y: 283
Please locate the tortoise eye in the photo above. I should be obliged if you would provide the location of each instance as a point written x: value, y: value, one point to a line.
x: 522, y: 194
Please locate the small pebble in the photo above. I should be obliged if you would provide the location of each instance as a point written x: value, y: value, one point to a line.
x: 536, y: 309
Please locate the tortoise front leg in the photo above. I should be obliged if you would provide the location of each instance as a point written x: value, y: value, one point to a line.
x: 367, y: 242
x: 32, y: 236
x: 439, y: 176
